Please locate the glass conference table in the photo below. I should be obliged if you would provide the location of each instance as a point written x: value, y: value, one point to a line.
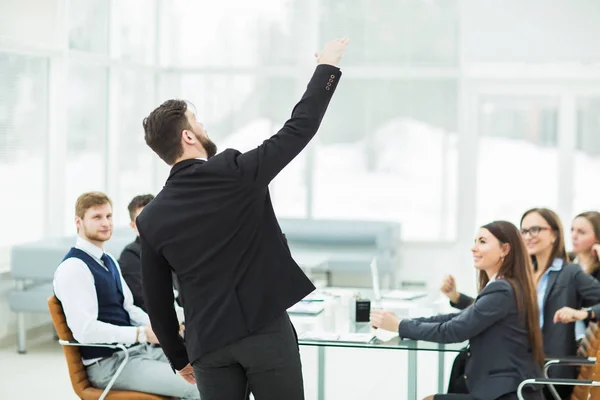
x: 334, y: 327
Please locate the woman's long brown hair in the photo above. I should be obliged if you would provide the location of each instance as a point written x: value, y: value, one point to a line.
x: 516, y: 269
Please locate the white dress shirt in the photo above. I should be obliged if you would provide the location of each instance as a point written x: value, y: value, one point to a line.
x: 74, y: 286
x: 492, y: 279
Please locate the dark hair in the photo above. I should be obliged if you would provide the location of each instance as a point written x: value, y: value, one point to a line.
x: 141, y: 200
x: 593, y: 217
x: 88, y: 200
x: 516, y: 269
x: 162, y: 129
x: 559, y: 248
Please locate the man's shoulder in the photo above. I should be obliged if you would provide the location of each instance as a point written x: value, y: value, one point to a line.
x: 133, y: 247
x: 69, y: 266
x: 149, y: 210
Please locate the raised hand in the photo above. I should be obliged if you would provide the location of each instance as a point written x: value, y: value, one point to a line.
x: 448, y: 287
x: 332, y: 52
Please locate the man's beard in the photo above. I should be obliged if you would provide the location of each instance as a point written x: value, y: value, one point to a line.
x: 98, y: 237
x: 209, y: 146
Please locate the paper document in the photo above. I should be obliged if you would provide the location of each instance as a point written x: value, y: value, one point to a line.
x: 337, y: 337
x: 307, y: 308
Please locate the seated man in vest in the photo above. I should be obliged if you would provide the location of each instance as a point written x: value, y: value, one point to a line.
x: 130, y: 261
x: 99, y: 309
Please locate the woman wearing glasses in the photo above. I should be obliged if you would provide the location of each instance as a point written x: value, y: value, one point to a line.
x: 565, y: 293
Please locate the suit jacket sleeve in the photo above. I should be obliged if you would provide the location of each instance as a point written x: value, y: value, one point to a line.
x: 463, y: 302
x: 588, y: 289
x: 131, y: 269
x: 159, y: 299
x: 493, y: 304
x: 262, y: 164
x: 436, y: 318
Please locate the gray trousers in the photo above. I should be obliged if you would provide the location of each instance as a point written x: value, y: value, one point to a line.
x: 267, y: 363
x: 146, y: 371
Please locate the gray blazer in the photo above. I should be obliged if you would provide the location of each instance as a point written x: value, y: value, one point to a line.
x: 500, y: 355
x: 569, y: 287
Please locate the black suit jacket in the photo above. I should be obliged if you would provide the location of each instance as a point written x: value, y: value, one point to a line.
x: 500, y: 355
x: 569, y: 287
x: 213, y: 224
x: 131, y: 269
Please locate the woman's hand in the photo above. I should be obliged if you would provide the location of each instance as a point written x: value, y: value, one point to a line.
x: 449, y: 288
x: 385, y: 320
x: 567, y: 315
x: 596, y: 250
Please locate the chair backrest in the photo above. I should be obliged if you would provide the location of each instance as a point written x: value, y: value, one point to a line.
x: 595, y: 391
x: 589, y: 347
x: 77, y: 372
x: 591, y: 340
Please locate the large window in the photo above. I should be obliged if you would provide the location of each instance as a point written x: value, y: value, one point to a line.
x: 387, y: 151
x: 392, y: 32
x: 517, y: 157
x: 388, y: 148
x: 88, y: 25
x: 233, y: 33
x: 240, y: 111
x: 23, y: 154
x: 86, y: 134
x: 136, y: 30
x: 135, y: 161
x: 587, y: 156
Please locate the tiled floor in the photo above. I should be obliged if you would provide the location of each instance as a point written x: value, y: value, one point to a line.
x: 350, y: 373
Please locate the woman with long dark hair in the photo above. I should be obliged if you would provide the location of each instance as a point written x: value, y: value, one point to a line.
x: 565, y: 293
x: 502, y: 325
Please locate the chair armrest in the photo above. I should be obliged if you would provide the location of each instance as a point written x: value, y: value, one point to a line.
x: 565, y: 361
x: 564, y: 382
x: 551, y: 382
x: 107, y: 345
x: 570, y: 360
x: 110, y: 346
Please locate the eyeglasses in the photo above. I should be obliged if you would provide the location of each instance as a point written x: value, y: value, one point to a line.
x: 533, y: 231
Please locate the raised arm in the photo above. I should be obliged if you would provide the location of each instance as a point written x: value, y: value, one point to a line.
x: 262, y: 164
x: 457, y: 299
x: 462, y: 302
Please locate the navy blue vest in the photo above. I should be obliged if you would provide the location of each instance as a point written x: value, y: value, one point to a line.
x: 109, y: 292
